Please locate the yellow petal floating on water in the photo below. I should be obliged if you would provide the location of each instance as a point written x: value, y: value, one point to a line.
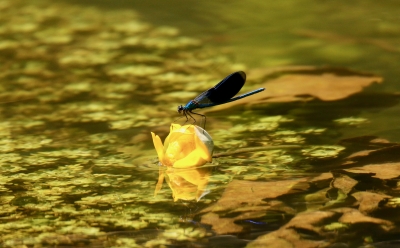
x: 158, y: 145
x: 191, y: 160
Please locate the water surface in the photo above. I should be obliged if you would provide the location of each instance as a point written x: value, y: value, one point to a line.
x: 83, y: 83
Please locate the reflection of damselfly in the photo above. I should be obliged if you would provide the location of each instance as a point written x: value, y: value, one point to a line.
x: 219, y: 94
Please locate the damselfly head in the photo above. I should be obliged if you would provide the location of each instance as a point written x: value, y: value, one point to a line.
x: 180, y: 109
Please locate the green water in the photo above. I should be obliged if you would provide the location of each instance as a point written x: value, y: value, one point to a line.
x: 83, y: 83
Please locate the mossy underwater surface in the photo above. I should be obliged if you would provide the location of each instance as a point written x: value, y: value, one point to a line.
x: 81, y: 90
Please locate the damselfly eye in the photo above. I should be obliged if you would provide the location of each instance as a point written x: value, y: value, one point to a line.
x: 180, y: 109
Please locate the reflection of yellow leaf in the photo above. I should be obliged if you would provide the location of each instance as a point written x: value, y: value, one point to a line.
x: 247, y: 200
x: 226, y: 225
x: 368, y: 201
x: 353, y: 216
x: 326, y: 87
x: 382, y: 171
x: 343, y: 182
x: 247, y: 193
x: 189, y: 184
x: 221, y: 225
x: 186, y: 184
x: 290, y: 234
x: 375, y: 150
